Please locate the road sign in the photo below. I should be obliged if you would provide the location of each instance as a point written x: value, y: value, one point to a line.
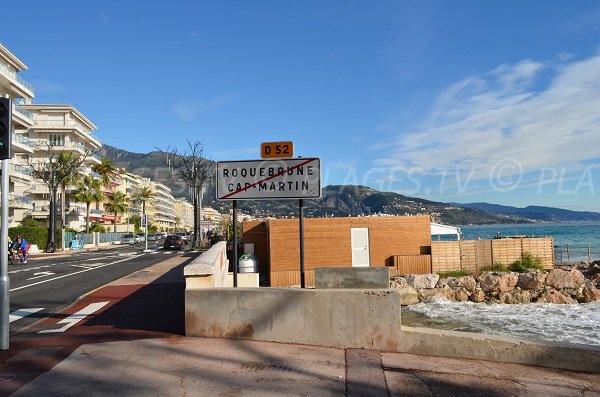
x: 144, y: 220
x: 278, y: 150
x: 204, y: 223
x: 298, y: 178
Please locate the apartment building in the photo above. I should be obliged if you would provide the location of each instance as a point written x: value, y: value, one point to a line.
x: 184, y: 211
x: 13, y: 86
x: 59, y: 128
x: 162, y: 212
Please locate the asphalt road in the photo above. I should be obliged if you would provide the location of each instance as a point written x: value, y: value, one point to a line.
x: 46, y: 285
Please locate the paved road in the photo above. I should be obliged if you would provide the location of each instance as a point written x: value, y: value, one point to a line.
x: 46, y: 285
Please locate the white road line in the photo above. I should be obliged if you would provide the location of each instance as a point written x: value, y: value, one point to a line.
x: 40, y: 274
x: 76, y: 317
x: 72, y: 274
x: 87, y: 266
x: 19, y: 314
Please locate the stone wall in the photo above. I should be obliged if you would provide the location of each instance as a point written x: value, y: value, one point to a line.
x: 565, y: 284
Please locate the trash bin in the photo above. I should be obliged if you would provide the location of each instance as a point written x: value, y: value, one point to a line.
x: 248, y: 264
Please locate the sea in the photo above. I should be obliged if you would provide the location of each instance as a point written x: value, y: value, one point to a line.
x: 578, y: 323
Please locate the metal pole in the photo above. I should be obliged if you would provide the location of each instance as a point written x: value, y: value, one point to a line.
x: 4, y: 280
x: 301, y: 219
x: 235, y: 244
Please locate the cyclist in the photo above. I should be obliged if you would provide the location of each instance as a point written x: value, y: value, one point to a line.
x: 21, y: 245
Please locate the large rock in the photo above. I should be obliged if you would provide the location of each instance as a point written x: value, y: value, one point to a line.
x: 532, y: 279
x: 398, y: 282
x: 560, y: 279
x: 477, y: 296
x: 590, y: 294
x: 515, y: 297
x: 554, y: 296
x: 461, y: 295
x: 422, y: 280
x: 408, y: 295
x: 430, y: 295
x: 466, y: 282
x: 497, y: 281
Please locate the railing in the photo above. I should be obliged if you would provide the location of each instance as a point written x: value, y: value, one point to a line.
x: 11, y: 73
x: 21, y: 199
x: 96, y: 212
x: 21, y: 139
x: 95, y: 156
x: 61, y: 123
x: 21, y: 169
x: 23, y: 111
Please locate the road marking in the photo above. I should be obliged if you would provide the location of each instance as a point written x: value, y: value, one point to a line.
x: 74, y: 273
x: 19, y: 314
x: 76, y: 317
x: 29, y: 269
x: 40, y: 275
x: 87, y: 266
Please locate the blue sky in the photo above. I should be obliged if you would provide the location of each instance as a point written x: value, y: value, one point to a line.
x: 450, y: 101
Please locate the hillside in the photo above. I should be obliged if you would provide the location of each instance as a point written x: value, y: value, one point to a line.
x: 339, y: 200
x: 534, y: 213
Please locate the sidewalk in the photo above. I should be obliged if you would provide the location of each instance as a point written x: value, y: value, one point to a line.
x: 135, y: 347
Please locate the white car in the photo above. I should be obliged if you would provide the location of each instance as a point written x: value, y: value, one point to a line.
x: 128, y: 239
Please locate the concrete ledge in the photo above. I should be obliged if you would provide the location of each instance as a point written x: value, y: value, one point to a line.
x: 209, y: 269
x: 352, y: 277
x: 342, y: 318
x: 244, y: 280
x: 433, y: 342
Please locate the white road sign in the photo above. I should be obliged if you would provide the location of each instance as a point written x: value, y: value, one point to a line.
x: 269, y: 179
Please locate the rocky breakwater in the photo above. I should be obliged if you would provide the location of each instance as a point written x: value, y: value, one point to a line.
x: 565, y: 284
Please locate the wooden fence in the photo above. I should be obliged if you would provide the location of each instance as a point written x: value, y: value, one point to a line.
x: 473, y: 254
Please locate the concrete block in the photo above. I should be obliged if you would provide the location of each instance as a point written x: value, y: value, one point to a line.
x: 245, y: 280
x: 352, y: 277
x: 342, y: 318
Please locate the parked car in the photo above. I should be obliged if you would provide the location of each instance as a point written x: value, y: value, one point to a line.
x: 140, y: 237
x: 173, y: 241
x: 128, y: 239
x: 183, y: 235
x: 152, y: 237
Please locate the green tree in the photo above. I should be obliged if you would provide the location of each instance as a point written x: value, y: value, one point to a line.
x: 144, y: 194
x: 88, y: 192
x: 117, y: 204
x: 106, y: 170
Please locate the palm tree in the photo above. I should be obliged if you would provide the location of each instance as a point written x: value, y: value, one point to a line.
x: 144, y: 193
x: 106, y: 170
x: 88, y: 191
x: 117, y: 204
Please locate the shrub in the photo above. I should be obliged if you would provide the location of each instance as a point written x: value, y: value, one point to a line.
x: 96, y: 227
x: 527, y: 261
x: 496, y: 267
x: 34, y: 235
x: 453, y: 273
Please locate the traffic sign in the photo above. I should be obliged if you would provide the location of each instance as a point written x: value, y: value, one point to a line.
x: 144, y: 220
x: 298, y: 178
x: 204, y: 223
x: 270, y: 150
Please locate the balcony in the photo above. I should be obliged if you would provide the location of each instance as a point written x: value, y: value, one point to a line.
x: 21, y: 144
x: 20, y: 171
x: 16, y: 201
x: 18, y: 80
x: 51, y: 125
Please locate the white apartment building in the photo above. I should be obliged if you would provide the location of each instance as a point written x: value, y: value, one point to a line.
x: 163, y: 212
x: 185, y: 214
x: 19, y: 91
x: 61, y: 128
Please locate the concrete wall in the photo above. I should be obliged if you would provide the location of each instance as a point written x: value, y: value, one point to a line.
x: 342, y: 318
x: 352, y: 277
x: 209, y: 269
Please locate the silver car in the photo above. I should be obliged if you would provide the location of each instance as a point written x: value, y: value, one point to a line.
x: 128, y: 239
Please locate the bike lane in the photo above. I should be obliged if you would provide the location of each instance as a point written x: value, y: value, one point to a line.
x: 146, y: 304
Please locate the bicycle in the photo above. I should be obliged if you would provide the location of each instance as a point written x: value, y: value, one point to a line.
x: 16, y: 258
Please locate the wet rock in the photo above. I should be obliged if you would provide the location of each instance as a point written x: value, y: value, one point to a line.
x: 408, y: 295
x: 554, y: 296
x: 422, y: 280
x: 466, y: 282
x: 497, y: 281
x: 532, y: 279
x: 432, y: 294
x: 560, y: 279
x: 515, y: 297
x: 461, y: 295
x: 477, y: 296
x: 590, y: 294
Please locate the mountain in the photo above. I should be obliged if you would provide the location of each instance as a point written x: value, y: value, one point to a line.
x: 339, y: 200
x: 534, y: 213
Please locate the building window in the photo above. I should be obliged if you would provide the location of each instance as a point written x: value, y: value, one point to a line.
x: 56, y: 140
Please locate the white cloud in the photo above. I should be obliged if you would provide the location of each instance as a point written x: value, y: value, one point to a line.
x: 189, y: 110
x: 481, y: 121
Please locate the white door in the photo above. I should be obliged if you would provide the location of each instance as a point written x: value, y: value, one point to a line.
x: 360, y: 246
